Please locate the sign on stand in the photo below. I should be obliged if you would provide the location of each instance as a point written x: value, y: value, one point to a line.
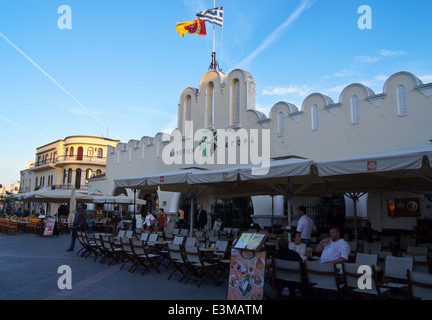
x: 247, y: 268
x: 139, y: 221
x: 49, y: 227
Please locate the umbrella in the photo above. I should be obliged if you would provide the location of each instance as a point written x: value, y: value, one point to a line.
x: 72, y: 206
x: 404, y: 169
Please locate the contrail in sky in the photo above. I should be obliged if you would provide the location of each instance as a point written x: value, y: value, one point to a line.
x: 56, y: 83
x: 276, y: 34
x: 25, y: 128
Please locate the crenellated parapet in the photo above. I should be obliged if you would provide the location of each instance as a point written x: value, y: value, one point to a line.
x: 397, y: 117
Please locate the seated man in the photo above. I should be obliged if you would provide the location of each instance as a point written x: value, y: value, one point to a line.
x: 334, y: 249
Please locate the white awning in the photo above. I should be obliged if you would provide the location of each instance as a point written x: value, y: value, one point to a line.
x: 400, y: 159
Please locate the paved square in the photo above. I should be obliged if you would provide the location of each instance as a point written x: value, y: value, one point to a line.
x: 29, y: 266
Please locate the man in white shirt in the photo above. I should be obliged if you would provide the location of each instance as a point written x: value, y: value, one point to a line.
x: 334, y: 249
x: 305, y: 226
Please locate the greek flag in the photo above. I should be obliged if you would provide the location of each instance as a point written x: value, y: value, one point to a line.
x: 214, y: 15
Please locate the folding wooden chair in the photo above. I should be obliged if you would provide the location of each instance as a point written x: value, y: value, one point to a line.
x: 366, y: 258
x: 352, y: 276
x: 395, y: 274
x: 177, y: 260
x: 141, y: 256
x: 92, y: 246
x: 419, y: 285
x: 323, y: 277
x: 84, y: 249
x: 109, y: 253
x: 198, y: 267
x: 289, y: 274
x: 12, y: 228
x: 127, y: 251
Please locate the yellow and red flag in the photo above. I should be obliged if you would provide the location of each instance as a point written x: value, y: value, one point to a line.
x: 197, y: 27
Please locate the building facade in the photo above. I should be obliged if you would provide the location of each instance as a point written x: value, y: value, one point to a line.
x: 67, y: 164
x: 361, y: 122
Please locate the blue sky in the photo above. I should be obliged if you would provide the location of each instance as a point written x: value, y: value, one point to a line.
x: 122, y: 66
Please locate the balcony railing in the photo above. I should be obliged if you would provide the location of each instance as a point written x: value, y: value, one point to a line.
x: 69, y: 187
x: 62, y: 160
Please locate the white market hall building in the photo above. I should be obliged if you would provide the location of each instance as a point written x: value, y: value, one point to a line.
x: 321, y: 129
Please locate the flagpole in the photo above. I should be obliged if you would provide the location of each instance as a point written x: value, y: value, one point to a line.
x: 213, y: 66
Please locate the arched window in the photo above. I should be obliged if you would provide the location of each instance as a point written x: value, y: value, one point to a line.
x: 64, y: 176
x: 235, y: 102
x: 355, y: 110
x: 402, y: 101
x: 69, y: 176
x: 71, y: 151
x: 88, y: 174
x: 67, y: 152
x: 187, y: 115
x: 90, y: 152
x: 209, y: 111
x: 100, y: 153
x: 98, y: 172
x: 315, y: 118
x: 280, y: 124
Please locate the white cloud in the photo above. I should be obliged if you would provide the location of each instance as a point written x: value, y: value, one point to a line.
x: 367, y: 59
x: 335, y: 90
x: 381, y: 55
x: 391, y: 53
x: 381, y: 77
x: 426, y: 78
x: 293, y: 89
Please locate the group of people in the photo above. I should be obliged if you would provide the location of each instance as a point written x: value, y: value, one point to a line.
x: 333, y: 249
x: 81, y: 222
x: 200, y: 221
x: 151, y: 222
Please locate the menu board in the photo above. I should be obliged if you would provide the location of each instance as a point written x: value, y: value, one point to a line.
x: 49, y: 227
x: 139, y: 222
x: 250, y: 241
x: 247, y: 272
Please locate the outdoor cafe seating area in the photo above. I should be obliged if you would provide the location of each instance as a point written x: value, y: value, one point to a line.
x: 401, y: 268
x: 400, y: 265
x: 204, y: 256
x: 12, y: 225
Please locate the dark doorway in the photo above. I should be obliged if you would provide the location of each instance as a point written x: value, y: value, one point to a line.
x: 80, y: 153
x: 78, y: 179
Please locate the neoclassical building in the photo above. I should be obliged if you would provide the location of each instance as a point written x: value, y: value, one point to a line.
x: 361, y: 122
x: 67, y: 163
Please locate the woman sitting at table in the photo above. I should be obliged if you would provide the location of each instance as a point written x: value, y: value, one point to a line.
x: 283, y: 252
x: 297, y: 245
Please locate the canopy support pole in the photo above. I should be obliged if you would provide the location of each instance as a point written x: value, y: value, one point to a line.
x: 355, y: 198
x: 134, y: 215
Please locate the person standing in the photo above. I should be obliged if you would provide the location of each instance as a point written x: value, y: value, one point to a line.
x: 201, y: 217
x: 180, y: 219
x: 162, y: 219
x: 149, y: 221
x: 79, y: 224
x: 305, y: 225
